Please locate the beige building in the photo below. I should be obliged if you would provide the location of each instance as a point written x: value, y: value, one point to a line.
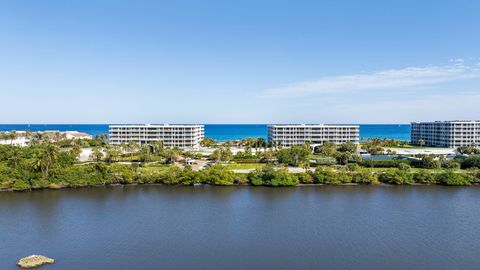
x: 446, y: 133
x: 183, y: 136
x: 296, y: 134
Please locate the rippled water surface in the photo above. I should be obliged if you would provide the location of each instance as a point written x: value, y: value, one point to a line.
x: 325, y: 227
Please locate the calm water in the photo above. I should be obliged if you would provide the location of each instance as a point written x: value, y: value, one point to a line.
x: 329, y: 227
x: 229, y: 132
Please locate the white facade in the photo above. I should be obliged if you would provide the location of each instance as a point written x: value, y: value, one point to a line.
x: 19, y: 141
x: 183, y: 136
x: 297, y: 134
x: 446, y: 133
x: 75, y: 135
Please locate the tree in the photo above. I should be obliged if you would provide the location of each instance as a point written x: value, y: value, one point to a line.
x: 145, y: 153
x: 348, y: 147
x: 132, y: 147
x: 113, y: 153
x: 96, y: 154
x: 266, y: 156
x: 172, y: 154
x: 327, y: 149
x: 305, y: 165
x: 218, y: 175
x: 293, y: 155
x: 324, y: 175
x: 76, y: 151
x: 207, y: 142
x: 451, y: 165
x: 472, y: 161
x: 421, y: 142
x: 46, y: 158
x: 364, y: 176
x: 424, y: 177
x: 404, y: 167
x: 452, y: 179
x: 157, y: 147
x: 223, y: 154
x: 343, y: 157
x: 429, y: 162
x: 267, y: 176
x: 14, y: 156
x: 468, y: 150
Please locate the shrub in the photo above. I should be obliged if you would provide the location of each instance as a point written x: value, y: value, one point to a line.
x: 396, y: 177
x: 305, y: 178
x: 451, y: 164
x: 394, y: 163
x: 21, y: 185
x: 453, y: 179
x: 424, y: 177
x: 472, y: 161
x: 324, y: 175
x: 364, y: 177
x: 293, y: 155
x: 267, y: 176
x: 218, y: 175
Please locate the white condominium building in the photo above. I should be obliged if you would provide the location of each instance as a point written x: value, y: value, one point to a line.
x: 288, y: 135
x: 183, y: 136
x: 446, y: 133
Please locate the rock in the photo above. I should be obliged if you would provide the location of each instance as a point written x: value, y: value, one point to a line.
x: 34, y: 261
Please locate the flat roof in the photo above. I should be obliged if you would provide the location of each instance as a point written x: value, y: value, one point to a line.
x: 452, y: 121
x: 313, y: 125
x: 158, y: 125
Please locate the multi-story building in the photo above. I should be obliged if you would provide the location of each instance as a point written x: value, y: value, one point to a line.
x: 446, y: 133
x: 288, y: 135
x: 183, y: 136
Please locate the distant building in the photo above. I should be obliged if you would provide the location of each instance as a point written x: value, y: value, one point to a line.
x: 17, y: 141
x: 183, y: 136
x: 75, y: 135
x: 446, y: 133
x: 23, y: 138
x: 296, y: 134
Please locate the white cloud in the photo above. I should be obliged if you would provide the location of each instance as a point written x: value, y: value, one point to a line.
x: 387, y: 79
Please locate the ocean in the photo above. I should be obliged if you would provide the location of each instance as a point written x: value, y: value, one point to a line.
x: 223, y: 132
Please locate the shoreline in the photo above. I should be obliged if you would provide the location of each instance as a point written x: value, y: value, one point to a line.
x: 233, y: 185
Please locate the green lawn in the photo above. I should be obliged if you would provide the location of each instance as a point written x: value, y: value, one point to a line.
x: 414, y: 170
x: 153, y: 169
x: 244, y: 166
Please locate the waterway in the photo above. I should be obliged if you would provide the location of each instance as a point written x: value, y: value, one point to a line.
x: 243, y: 227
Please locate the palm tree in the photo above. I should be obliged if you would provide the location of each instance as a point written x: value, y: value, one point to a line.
x: 305, y: 165
x: 132, y: 146
x: 172, y: 154
x: 57, y: 136
x: 46, y: 158
x: 157, y: 147
x: 97, y: 154
x: 145, y: 153
x: 112, y: 154
x: 15, y: 156
x: 13, y: 136
x: 421, y: 143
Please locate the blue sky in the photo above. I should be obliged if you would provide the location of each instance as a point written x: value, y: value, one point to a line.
x: 239, y: 61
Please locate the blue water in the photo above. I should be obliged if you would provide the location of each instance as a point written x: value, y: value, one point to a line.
x: 223, y: 132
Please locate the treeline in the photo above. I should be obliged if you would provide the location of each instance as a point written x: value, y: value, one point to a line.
x: 425, y: 162
x: 101, y: 174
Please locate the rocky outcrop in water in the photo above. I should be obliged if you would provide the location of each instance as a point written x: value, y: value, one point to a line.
x: 34, y: 261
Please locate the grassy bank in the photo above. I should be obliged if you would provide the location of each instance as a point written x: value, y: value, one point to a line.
x: 99, y: 174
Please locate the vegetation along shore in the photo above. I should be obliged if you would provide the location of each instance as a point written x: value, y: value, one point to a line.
x: 57, y: 163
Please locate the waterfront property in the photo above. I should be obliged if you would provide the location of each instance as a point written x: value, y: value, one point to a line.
x: 296, y: 134
x: 446, y: 133
x: 23, y: 138
x: 183, y: 136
